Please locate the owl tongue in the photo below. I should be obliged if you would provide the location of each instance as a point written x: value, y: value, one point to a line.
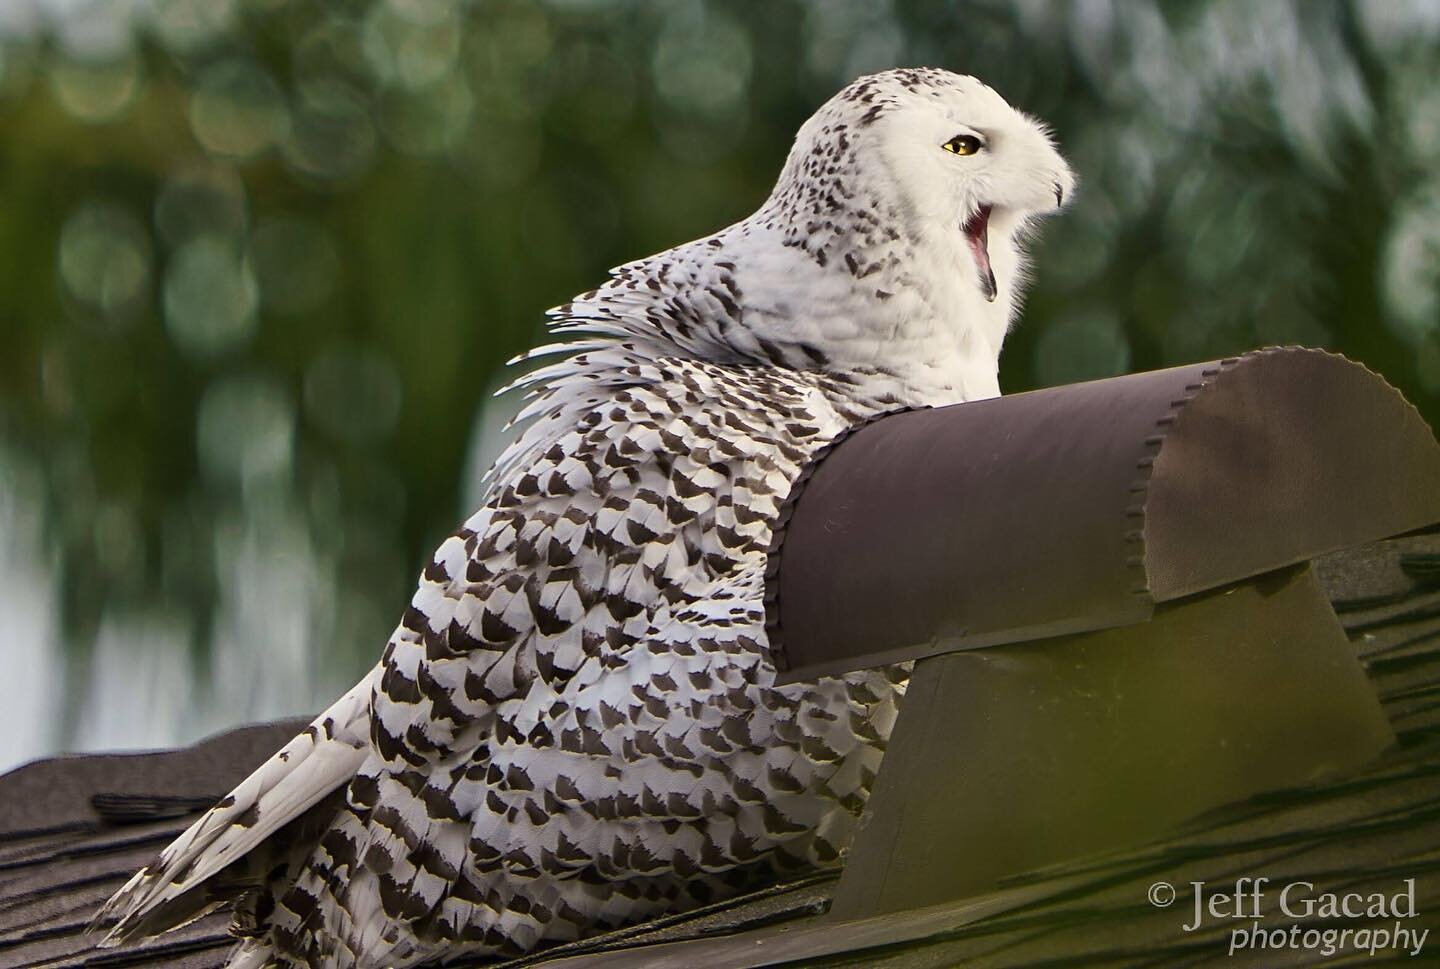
x: 977, y: 232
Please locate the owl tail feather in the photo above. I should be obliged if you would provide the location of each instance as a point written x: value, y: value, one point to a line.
x: 172, y: 891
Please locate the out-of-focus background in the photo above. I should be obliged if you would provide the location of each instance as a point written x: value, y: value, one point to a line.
x: 261, y: 262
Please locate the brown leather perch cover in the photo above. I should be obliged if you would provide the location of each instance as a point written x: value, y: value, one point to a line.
x: 1079, y: 508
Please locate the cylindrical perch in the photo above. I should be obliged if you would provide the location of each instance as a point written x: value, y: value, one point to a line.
x: 1080, y: 507
x: 1105, y: 587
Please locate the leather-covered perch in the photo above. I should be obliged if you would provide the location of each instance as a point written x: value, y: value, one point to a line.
x: 1137, y: 545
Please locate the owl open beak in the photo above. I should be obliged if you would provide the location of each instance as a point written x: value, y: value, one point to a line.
x: 977, y: 234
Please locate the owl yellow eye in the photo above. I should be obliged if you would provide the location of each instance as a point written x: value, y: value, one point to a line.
x: 963, y: 145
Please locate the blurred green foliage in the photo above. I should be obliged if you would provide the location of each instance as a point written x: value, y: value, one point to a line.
x: 261, y: 261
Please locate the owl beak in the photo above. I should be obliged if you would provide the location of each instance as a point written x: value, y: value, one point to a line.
x: 977, y: 234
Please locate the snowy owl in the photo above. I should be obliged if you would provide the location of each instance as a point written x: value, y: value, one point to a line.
x: 576, y: 723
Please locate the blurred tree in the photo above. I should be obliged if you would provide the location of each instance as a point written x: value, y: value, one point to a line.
x: 261, y: 261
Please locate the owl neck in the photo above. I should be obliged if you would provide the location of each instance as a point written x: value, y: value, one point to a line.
x: 903, y: 310
x: 898, y: 315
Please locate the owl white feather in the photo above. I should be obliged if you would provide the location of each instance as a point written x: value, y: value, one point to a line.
x: 576, y: 723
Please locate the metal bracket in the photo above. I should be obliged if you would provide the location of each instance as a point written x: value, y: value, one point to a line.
x: 1006, y: 760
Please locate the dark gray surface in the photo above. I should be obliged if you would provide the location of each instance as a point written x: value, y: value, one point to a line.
x: 60, y: 856
x: 58, y: 792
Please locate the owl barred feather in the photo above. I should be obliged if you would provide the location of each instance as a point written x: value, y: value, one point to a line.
x: 576, y: 724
